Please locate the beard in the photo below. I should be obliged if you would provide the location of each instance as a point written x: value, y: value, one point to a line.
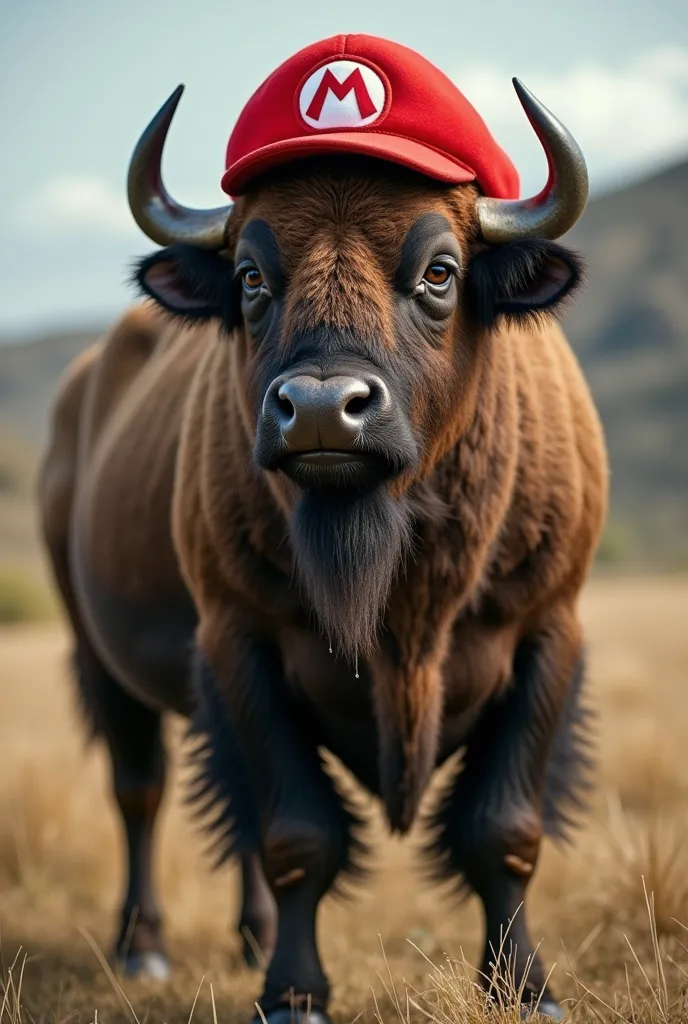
x: 348, y: 551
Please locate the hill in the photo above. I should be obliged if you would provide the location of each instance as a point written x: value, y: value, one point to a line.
x: 629, y: 328
x: 28, y: 376
x: 29, y: 371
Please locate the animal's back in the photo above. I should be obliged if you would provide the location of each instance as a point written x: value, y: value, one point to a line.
x: 90, y: 391
x: 58, y: 472
x: 106, y: 487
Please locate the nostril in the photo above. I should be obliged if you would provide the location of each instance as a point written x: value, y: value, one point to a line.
x: 356, y: 405
x: 285, y: 406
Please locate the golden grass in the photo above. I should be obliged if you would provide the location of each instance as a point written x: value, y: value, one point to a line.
x: 400, y: 950
x: 24, y: 597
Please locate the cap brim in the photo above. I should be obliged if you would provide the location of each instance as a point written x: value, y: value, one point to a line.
x: 394, y: 148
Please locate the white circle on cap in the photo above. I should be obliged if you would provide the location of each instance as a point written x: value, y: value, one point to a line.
x: 342, y: 94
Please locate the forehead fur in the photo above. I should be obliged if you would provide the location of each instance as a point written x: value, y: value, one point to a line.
x: 340, y: 228
x: 356, y: 204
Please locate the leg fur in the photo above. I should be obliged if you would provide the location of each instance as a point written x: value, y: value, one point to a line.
x: 306, y: 833
x: 517, y: 771
x: 224, y: 796
x: 133, y: 736
x: 572, y: 761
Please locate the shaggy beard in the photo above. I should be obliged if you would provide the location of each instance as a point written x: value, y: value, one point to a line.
x: 348, y: 550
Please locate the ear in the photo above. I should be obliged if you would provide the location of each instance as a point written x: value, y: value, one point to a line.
x: 189, y: 282
x: 521, y: 280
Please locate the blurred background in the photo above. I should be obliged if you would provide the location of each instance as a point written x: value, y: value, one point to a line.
x: 78, y: 82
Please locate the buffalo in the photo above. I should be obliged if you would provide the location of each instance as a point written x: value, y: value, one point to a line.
x: 335, y: 486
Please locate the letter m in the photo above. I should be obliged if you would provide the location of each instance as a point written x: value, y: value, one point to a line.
x: 328, y: 83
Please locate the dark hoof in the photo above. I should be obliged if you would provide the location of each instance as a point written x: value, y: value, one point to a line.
x: 546, y: 1008
x: 150, y: 964
x: 294, y: 1015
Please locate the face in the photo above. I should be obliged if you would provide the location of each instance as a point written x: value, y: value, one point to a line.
x: 366, y: 302
x: 353, y: 312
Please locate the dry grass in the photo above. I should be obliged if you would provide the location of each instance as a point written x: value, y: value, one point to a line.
x: 620, y: 952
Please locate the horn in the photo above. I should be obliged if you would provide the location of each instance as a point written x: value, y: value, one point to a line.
x: 154, y: 210
x: 557, y: 208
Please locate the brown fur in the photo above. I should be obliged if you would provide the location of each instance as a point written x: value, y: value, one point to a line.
x: 514, y: 449
x: 515, y: 454
x: 153, y: 437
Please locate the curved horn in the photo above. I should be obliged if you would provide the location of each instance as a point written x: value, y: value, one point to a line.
x: 154, y: 210
x: 562, y: 200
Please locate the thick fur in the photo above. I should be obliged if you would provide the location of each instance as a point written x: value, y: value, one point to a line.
x: 495, y: 520
x: 566, y: 785
x: 222, y: 791
x: 570, y: 772
x: 348, y: 551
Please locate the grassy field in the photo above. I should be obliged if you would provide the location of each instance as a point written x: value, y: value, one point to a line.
x: 60, y: 861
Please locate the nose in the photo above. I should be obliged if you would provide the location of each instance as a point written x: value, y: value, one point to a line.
x: 329, y: 414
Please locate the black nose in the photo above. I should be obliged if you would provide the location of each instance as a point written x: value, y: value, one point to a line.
x: 330, y: 414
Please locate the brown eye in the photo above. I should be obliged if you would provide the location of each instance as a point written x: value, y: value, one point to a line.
x: 437, y: 273
x: 253, y: 278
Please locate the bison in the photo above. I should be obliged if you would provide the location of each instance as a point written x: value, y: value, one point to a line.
x: 335, y: 486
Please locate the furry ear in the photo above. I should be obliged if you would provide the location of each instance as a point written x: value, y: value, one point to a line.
x: 191, y: 283
x: 521, y: 279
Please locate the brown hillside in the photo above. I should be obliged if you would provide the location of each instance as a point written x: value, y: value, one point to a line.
x: 630, y: 330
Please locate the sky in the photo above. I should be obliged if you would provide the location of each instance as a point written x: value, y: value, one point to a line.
x: 80, y: 79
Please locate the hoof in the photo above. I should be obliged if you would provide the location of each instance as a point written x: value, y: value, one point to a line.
x: 294, y: 1015
x: 150, y: 964
x: 546, y: 1008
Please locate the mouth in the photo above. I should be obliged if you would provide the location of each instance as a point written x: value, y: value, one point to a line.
x: 328, y: 468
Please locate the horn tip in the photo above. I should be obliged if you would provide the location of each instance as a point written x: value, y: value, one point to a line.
x: 164, y: 116
x: 520, y: 89
x: 176, y: 95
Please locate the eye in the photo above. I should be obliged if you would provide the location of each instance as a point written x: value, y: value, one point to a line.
x: 437, y: 274
x: 437, y: 278
x: 252, y: 278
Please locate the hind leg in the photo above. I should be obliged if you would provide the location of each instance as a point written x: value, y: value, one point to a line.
x: 133, y: 736
x: 131, y: 731
x: 489, y: 826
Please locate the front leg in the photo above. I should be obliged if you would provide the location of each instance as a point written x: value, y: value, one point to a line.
x: 305, y: 829
x: 490, y: 823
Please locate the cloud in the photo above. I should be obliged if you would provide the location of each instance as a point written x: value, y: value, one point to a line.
x: 80, y: 205
x: 627, y: 119
x: 76, y: 204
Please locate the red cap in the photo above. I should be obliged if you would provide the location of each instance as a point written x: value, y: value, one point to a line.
x: 362, y: 94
